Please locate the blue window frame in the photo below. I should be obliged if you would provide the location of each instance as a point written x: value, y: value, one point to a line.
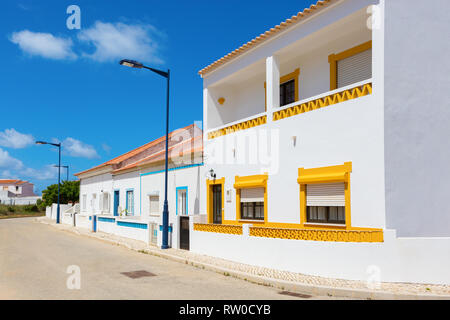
x: 182, y: 201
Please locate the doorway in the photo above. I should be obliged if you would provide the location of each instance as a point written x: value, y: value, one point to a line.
x: 217, y: 203
x: 116, y: 202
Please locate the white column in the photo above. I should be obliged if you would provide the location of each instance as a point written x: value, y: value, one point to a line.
x: 272, y: 83
x: 205, y: 109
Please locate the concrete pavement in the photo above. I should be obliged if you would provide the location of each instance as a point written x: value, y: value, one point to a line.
x: 34, y: 258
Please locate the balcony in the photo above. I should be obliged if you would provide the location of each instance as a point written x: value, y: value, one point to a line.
x: 318, y: 70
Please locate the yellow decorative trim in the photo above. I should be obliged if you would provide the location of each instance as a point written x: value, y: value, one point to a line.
x: 238, y: 127
x: 256, y: 181
x: 288, y: 77
x: 334, y: 58
x: 325, y: 175
x: 209, y: 202
x: 218, y: 228
x: 319, y: 235
x: 330, y: 100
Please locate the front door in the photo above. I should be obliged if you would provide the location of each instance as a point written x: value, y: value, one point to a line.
x: 116, y: 203
x: 217, y: 204
x: 184, y: 232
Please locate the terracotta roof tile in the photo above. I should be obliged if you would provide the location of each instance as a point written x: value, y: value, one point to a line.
x: 134, y: 152
x: 266, y: 36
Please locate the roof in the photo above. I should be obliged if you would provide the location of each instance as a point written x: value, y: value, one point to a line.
x: 267, y: 35
x: 191, y: 146
x: 128, y: 159
x: 14, y: 182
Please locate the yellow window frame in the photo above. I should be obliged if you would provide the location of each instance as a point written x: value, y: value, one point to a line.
x: 255, y: 181
x: 209, y: 204
x: 288, y: 77
x: 322, y: 175
x: 335, y: 57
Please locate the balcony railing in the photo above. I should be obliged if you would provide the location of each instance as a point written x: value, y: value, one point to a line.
x: 322, y: 101
x: 243, y: 125
x: 326, y: 100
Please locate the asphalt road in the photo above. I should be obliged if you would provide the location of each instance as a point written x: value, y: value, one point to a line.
x: 34, y: 260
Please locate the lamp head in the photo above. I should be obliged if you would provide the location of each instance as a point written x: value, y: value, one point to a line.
x: 131, y: 63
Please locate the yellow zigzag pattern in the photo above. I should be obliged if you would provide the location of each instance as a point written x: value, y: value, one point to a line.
x: 218, y: 228
x: 318, y: 235
x: 238, y: 127
x: 330, y: 100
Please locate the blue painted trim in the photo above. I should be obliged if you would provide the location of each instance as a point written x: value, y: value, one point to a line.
x: 187, y: 201
x: 132, y: 225
x: 90, y: 218
x: 116, y: 208
x: 170, y: 228
x: 173, y: 169
x: 101, y: 219
x: 126, y: 203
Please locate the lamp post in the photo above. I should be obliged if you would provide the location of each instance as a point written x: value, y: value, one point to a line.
x: 138, y: 65
x: 59, y: 172
x: 67, y: 171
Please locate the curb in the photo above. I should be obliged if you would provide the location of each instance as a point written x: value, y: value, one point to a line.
x: 316, y: 290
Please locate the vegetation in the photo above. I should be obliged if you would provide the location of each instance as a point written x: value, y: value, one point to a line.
x: 13, y: 211
x: 70, y: 192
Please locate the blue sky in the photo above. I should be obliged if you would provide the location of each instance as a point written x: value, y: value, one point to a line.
x: 66, y: 85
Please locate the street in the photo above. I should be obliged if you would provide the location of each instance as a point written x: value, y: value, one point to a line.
x: 35, y: 259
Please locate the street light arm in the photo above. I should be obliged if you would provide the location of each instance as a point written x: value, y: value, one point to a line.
x: 160, y: 72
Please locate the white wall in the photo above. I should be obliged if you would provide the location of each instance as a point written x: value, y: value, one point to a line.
x: 416, y: 260
x: 417, y: 117
x: 97, y: 185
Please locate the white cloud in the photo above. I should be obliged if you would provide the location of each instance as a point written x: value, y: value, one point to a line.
x: 115, y: 41
x: 43, y: 44
x: 14, y: 168
x: 76, y: 148
x: 9, y: 163
x: 10, y: 138
x: 106, y: 148
x: 47, y: 173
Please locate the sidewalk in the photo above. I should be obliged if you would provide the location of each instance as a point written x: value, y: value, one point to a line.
x: 283, y: 280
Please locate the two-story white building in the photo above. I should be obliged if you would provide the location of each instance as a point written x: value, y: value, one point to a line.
x: 325, y: 145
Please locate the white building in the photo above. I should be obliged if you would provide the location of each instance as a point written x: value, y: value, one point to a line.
x: 125, y: 195
x: 17, y: 192
x: 325, y: 139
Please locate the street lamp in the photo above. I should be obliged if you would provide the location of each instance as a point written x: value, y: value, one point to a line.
x: 67, y: 170
x: 59, y: 171
x: 138, y: 65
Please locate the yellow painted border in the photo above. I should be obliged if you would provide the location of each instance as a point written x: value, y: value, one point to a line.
x: 256, y: 181
x: 327, y: 101
x: 218, y: 228
x: 319, y: 235
x: 209, y: 202
x: 334, y: 58
x: 288, y: 77
x: 259, y: 121
x: 326, y: 175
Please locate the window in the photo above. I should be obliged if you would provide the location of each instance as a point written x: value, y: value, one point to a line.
x: 287, y: 93
x: 351, y: 66
x: 182, y: 201
x: 84, y: 202
x: 130, y: 202
x: 289, y: 85
x: 251, y: 197
x: 105, y: 202
x: 326, y: 203
x: 154, y: 204
x: 325, y: 195
x: 93, y: 202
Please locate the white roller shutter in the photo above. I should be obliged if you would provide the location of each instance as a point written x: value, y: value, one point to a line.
x: 354, y: 69
x: 154, y: 204
x: 252, y: 195
x: 325, y: 195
